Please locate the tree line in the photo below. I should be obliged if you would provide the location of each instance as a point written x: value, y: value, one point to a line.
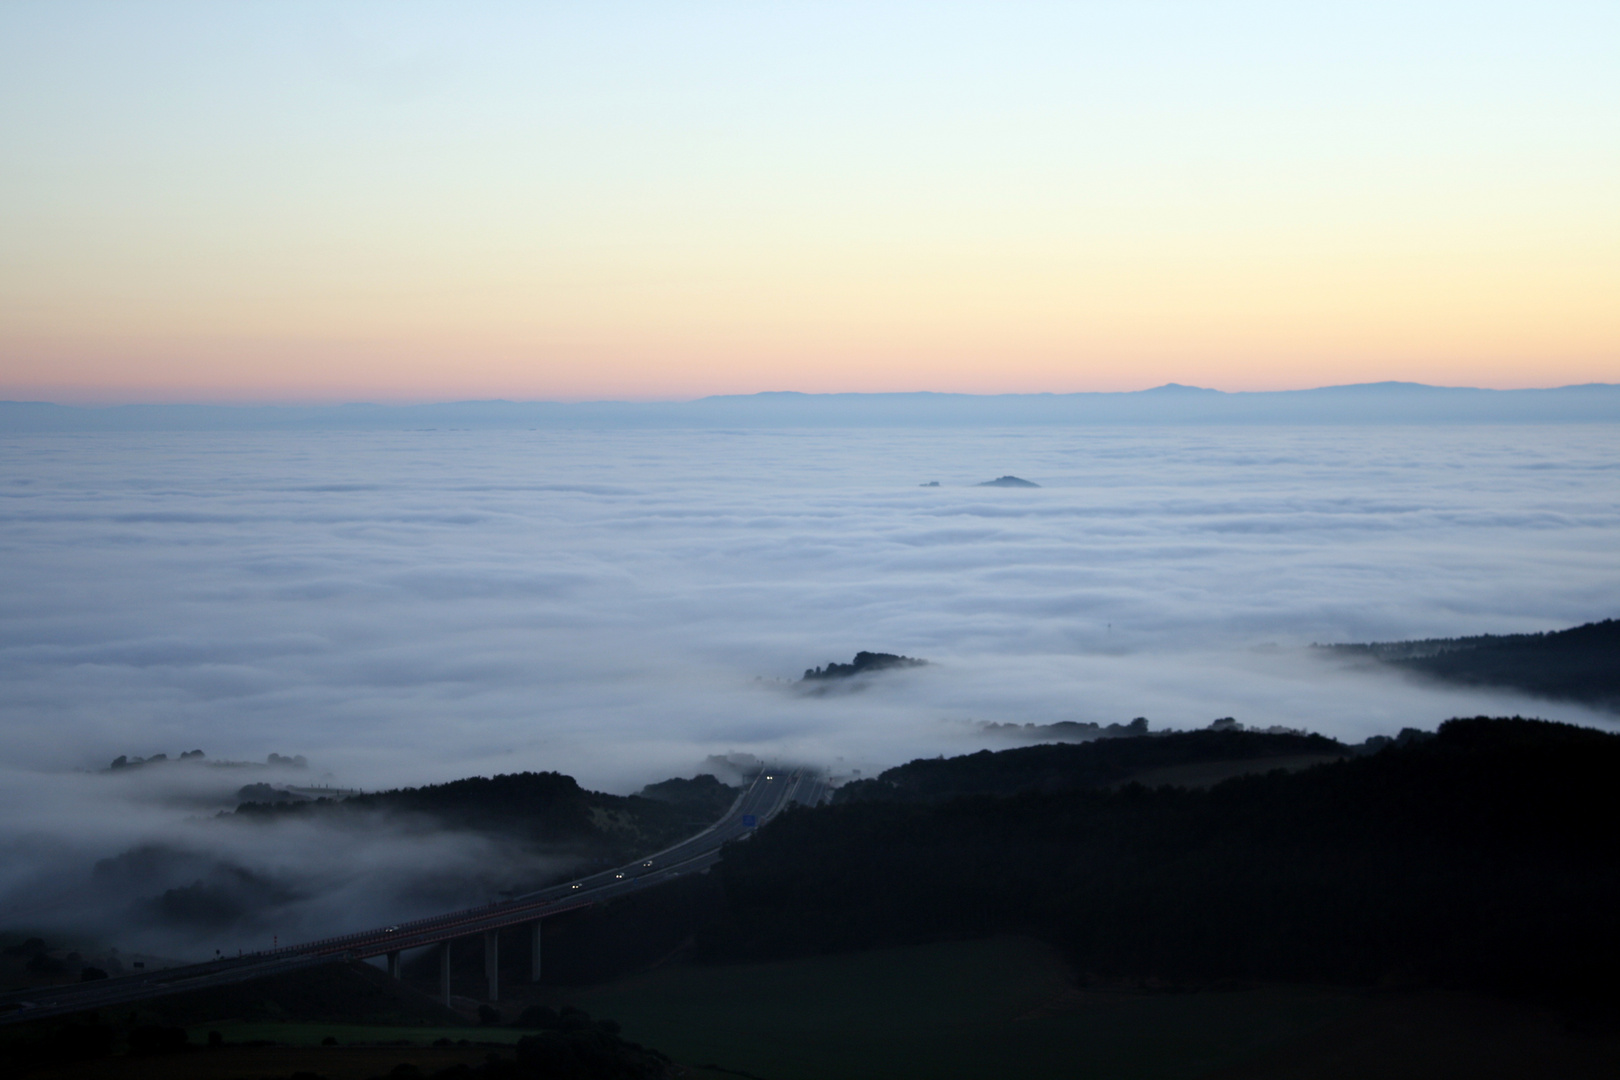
x: 1483, y: 857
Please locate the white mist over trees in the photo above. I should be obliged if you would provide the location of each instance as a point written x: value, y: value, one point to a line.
x: 414, y: 607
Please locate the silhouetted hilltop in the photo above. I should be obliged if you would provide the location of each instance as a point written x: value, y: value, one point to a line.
x: 1009, y: 481
x: 1580, y: 664
x: 1076, y: 766
x: 864, y: 662
x: 197, y: 757
x: 1067, y: 730
x: 703, y: 796
x: 1483, y: 857
x: 540, y: 808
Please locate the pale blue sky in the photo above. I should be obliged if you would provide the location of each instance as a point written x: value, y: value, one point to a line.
x: 284, y: 199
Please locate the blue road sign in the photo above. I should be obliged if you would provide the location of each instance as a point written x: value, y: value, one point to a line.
x: 749, y: 821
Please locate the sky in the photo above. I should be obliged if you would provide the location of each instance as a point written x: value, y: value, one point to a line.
x: 405, y: 607
x: 299, y: 202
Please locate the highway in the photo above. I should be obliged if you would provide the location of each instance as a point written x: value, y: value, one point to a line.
x: 763, y: 799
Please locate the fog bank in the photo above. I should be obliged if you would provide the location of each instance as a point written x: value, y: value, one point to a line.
x: 408, y: 607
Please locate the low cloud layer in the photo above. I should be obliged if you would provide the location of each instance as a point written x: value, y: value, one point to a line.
x: 415, y: 607
x: 141, y: 859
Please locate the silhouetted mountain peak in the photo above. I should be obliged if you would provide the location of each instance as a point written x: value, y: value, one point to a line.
x: 1179, y: 388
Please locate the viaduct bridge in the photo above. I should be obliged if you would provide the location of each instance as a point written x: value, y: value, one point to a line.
x: 763, y: 799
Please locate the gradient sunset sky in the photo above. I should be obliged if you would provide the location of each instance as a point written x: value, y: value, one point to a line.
x: 281, y: 202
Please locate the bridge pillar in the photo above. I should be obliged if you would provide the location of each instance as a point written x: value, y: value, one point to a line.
x: 534, y: 953
x: 393, y: 963
x: 492, y: 963
x: 444, y: 974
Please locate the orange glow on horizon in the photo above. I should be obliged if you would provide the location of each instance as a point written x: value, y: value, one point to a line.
x: 988, y: 199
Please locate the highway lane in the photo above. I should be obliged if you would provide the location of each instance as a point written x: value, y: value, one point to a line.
x: 763, y: 799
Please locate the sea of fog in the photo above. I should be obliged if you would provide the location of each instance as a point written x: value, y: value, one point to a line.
x: 409, y: 607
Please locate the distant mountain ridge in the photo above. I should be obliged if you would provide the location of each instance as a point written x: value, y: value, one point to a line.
x: 1365, y: 403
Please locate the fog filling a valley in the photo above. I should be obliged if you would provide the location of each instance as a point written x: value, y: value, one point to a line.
x: 413, y: 607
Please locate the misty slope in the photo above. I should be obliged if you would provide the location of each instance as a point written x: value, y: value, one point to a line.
x: 304, y: 868
x: 544, y: 809
x: 1579, y: 664
x: 1483, y: 857
x: 1075, y: 766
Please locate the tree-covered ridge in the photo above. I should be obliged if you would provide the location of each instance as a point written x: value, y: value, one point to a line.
x: 1483, y: 857
x: 1579, y: 664
x: 864, y: 661
x: 703, y: 797
x: 540, y: 808
x: 1075, y: 766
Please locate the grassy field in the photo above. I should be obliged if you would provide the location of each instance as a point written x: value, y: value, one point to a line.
x: 1003, y: 1007
x: 1006, y: 1008
x: 349, y: 1034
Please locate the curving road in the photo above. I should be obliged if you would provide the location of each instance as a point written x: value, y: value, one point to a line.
x: 762, y: 800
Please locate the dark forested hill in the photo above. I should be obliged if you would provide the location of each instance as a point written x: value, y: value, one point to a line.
x: 545, y: 809
x: 1074, y: 766
x: 1580, y: 664
x: 863, y: 663
x: 703, y: 798
x: 1485, y: 857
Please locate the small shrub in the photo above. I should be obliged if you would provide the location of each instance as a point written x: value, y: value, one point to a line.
x: 539, y: 1018
x: 40, y: 964
x: 152, y: 1039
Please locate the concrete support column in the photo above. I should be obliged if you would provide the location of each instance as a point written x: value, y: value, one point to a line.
x: 492, y: 963
x: 534, y: 952
x: 444, y: 974
x: 393, y: 963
